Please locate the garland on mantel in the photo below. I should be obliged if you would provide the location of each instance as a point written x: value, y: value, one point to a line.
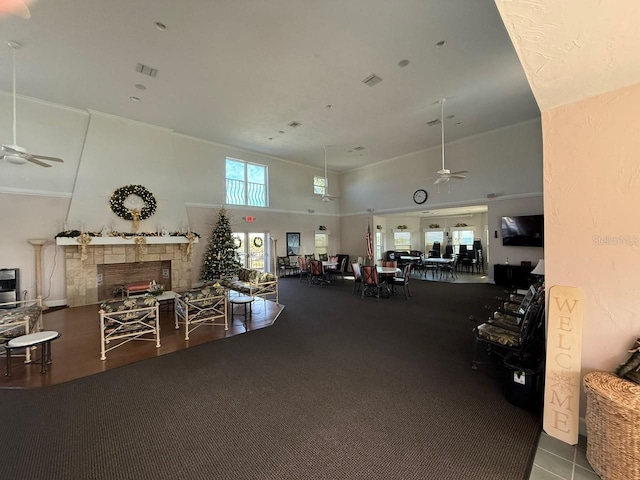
x: 140, y: 240
x: 125, y: 235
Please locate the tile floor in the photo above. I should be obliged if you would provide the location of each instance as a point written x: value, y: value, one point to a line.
x: 556, y: 460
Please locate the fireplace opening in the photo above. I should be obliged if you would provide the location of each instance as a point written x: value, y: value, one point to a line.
x: 112, y: 278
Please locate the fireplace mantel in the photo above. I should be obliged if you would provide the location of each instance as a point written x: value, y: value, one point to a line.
x: 82, y: 262
x: 123, y: 241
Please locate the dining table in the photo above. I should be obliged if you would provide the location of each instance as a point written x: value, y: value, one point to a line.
x: 438, y: 262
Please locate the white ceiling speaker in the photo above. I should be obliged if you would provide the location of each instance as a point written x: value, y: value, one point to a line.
x: 14, y: 153
x: 444, y: 174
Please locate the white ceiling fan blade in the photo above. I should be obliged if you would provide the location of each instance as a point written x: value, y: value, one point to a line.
x: 438, y: 180
x: 461, y: 177
x: 460, y: 172
x: 38, y: 162
x: 50, y: 159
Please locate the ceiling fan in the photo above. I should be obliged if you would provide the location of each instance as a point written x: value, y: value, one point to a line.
x: 14, y: 153
x: 326, y: 197
x: 445, y: 174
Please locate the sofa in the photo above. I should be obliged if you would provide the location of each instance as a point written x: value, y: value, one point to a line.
x: 253, y: 283
x: 20, y: 318
x: 206, y: 305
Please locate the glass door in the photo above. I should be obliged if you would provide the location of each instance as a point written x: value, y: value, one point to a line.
x: 256, y: 251
x: 250, y: 249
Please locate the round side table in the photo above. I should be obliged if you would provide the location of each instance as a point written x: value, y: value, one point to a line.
x: 242, y: 300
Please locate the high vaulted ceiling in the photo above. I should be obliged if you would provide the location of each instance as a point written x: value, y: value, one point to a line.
x: 238, y: 72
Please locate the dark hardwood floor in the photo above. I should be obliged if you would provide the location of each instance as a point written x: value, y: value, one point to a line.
x: 77, y: 352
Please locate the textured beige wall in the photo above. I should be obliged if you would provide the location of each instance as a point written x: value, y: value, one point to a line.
x: 592, y: 237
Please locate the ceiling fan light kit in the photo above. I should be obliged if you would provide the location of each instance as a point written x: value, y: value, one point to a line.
x: 13, y: 153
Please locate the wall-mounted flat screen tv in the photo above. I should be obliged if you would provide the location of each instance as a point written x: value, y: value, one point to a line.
x: 523, y: 231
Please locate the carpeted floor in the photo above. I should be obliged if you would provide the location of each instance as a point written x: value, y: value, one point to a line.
x: 338, y: 388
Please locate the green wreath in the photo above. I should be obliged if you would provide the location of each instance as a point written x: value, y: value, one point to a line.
x: 121, y: 194
x: 257, y: 242
x: 237, y: 242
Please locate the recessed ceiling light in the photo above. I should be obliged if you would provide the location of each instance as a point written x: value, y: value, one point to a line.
x: 139, y: 86
x: 294, y: 124
x: 270, y: 138
x: 134, y: 99
x: 441, y: 43
x: 449, y: 117
x: 459, y: 123
x: 280, y: 131
x: 403, y: 63
x: 160, y: 26
x: 328, y: 106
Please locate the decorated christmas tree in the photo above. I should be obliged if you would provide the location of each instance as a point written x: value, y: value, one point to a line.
x: 220, y: 259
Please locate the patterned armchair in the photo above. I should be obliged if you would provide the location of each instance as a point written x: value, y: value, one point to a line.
x: 202, y: 306
x: 122, y: 321
x: 20, y: 318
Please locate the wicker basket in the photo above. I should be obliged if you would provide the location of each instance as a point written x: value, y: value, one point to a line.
x: 613, y: 426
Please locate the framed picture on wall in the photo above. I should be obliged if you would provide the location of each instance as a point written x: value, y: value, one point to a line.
x: 293, y: 243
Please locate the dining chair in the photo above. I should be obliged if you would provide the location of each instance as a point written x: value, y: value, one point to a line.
x: 357, y: 277
x: 371, y: 284
x: 303, y: 267
x: 450, y: 269
x: 339, y: 271
x: 403, y: 281
x: 316, y: 273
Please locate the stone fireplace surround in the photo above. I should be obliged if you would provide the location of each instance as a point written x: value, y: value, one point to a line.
x: 82, y: 276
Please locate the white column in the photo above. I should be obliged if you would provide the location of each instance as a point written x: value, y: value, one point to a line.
x: 37, y: 244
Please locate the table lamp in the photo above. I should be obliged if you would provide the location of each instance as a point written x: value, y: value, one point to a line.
x: 539, y: 270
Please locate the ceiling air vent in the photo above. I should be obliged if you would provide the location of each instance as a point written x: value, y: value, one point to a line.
x: 434, y: 122
x: 294, y: 124
x: 147, y: 70
x: 358, y: 148
x: 372, y: 80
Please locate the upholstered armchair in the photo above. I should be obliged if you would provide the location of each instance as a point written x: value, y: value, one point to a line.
x: 201, y: 306
x: 122, y: 321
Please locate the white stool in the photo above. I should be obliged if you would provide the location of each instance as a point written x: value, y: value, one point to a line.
x: 32, y: 340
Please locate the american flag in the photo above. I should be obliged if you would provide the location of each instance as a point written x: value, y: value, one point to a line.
x: 369, y: 239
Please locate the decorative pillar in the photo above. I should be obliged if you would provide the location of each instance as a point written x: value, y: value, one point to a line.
x: 275, y: 255
x: 37, y: 244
